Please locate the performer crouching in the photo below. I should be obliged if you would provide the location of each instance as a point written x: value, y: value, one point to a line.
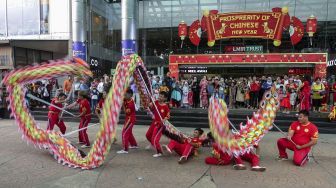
x: 221, y: 158
x: 127, y: 134
x: 53, y: 114
x: 302, y: 135
x: 188, y: 148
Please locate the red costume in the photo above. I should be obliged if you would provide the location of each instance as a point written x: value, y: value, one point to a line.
x: 190, y: 98
x: 305, y: 96
x: 186, y: 149
x: 53, y: 117
x: 334, y: 89
x: 85, y: 120
x: 221, y: 158
x: 154, y: 132
x: 303, y: 134
x: 285, y: 102
x: 127, y: 135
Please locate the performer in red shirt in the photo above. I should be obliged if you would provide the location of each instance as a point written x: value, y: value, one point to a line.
x: 188, y: 148
x: 221, y: 158
x: 254, y: 93
x: 305, y: 90
x: 127, y: 135
x: 154, y: 132
x: 304, y: 134
x: 53, y: 114
x: 85, y: 115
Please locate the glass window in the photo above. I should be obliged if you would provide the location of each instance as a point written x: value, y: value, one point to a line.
x: 15, y: 22
x: 31, y: 17
x: 23, y: 17
x: 44, y: 16
x: 3, y: 26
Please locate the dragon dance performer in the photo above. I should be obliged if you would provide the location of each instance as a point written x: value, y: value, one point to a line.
x: 156, y: 128
x: 127, y: 135
x: 53, y: 114
x: 221, y: 158
x: 85, y: 115
x: 188, y: 148
x: 304, y: 134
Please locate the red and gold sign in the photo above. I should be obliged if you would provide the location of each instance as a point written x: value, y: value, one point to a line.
x: 266, y: 25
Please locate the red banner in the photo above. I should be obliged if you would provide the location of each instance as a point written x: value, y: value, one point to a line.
x: 267, y: 25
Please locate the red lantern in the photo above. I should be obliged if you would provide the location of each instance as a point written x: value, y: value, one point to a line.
x: 182, y: 30
x: 311, y: 25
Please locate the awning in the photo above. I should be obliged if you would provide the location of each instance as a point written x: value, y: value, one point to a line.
x: 305, y: 65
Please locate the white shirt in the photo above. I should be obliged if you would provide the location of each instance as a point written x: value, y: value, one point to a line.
x: 100, y: 87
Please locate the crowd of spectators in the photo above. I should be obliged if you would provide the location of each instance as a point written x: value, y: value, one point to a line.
x: 195, y: 92
x: 247, y: 92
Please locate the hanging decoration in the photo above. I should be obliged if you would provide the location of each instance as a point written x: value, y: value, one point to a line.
x: 195, y: 32
x: 182, y: 31
x: 296, y: 30
x: 311, y: 27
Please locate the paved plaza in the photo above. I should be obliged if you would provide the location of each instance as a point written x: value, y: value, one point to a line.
x: 25, y: 166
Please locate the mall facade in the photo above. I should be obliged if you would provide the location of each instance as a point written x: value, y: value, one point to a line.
x: 39, y: 30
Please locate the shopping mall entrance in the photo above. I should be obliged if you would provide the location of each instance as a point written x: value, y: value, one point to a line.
x: 237, y: 65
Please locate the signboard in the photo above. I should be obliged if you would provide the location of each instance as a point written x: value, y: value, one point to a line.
x: 128, y: 47
x: 300, y: 71
x: 193, y: 70
x: 94, y: 62
x: 266, y: 25
x: 113, y: 71
x: 331, y: 63
x: 244, y: 49
x: 79, y: 50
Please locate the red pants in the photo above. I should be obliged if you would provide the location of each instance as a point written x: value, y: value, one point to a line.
x: 184, y: 150
x: 305, y: 102
x: 83, y: 136
x: 249, y: 157
x: 224, y: 160
x: 300, y: 156
x: 54, y: 119
x: 227, y: 159
x: 150, y: 132
x: 127, y: 135
x: 156, y: 136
